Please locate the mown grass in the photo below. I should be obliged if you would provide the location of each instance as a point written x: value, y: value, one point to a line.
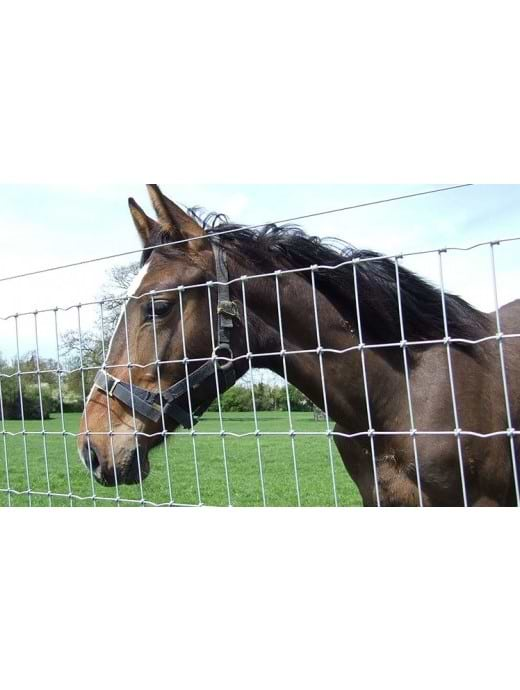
x: 23, y: 466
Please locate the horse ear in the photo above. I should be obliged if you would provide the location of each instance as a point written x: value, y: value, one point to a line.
x: 176, y: 222
x: 143, y: 223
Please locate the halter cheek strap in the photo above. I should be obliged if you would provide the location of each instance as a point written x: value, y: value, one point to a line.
x: 201, y: 387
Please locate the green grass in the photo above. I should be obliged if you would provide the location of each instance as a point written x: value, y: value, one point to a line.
x: 312, y: 459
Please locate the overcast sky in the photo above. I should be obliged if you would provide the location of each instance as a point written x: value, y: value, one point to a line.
x: 47, y: 225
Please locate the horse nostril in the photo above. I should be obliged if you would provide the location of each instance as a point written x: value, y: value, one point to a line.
x: 91, y: 458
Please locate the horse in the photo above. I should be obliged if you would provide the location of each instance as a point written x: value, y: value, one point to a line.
x: 422, y: 387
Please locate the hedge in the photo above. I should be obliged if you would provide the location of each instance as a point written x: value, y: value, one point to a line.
x: 32, y: 409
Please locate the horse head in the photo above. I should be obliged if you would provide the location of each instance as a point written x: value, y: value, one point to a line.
x: 171, y: 352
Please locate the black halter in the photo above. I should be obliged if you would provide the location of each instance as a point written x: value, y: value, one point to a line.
x: 201, y: 387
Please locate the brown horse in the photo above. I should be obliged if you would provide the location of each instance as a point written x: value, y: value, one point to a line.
x: 424, y: 393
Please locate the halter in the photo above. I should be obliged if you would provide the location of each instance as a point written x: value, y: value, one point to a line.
x: 190, y: 397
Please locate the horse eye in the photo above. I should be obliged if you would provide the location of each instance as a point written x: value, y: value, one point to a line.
x: 159, y: 308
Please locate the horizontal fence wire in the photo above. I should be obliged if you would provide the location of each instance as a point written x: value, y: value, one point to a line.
x: 258, y: 276
x: 235, y: 458
x: 294, y: 219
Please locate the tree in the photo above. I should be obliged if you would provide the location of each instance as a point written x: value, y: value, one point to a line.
x: 236, y: 399
x: 83, y: 355
x: 268, y: 398
x: 298, y: 401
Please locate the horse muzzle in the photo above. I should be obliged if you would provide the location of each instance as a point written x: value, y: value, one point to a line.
x: 126, y: 467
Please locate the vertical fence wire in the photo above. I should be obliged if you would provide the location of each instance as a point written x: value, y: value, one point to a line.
x: 404, y: 346
x: 107, y: 397
x: 161, y: 402
x: 84, y: 394
x: 59, y: 374
x: 253, y: 396
x: 323, y: 386
x: 283, y: 354
x: 370, y: 431
x: 22, y: 411
x: 219, y: 402
x: 40, y: 400
x: 500, y: 338
x: 130, y: 367
x: 447, y: 342
x: 4, y: 443
x: 190, y: 406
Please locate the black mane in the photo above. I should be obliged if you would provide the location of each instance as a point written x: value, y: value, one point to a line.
x: 273, y: 247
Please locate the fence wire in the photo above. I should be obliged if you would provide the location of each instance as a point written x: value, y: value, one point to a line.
x: 233, y: 458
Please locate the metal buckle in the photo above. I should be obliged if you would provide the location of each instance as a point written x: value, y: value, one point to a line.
x: 219, y: 352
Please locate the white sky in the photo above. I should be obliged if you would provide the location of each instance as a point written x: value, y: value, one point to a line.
x: 47, y: 225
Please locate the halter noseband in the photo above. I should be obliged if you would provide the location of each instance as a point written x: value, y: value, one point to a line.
x: 190, y: 397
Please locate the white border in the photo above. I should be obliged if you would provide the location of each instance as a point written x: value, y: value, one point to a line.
x: 292, y: 92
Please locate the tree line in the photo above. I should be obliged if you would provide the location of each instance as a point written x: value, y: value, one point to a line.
x: 24, y: 391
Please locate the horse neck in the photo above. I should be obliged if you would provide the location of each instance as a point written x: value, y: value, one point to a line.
x: 339, y: 375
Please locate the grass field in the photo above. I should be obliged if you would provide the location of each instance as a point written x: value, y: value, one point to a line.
x: 312, y: 459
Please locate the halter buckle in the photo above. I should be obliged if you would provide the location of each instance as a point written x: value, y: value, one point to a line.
x: 224, y: 351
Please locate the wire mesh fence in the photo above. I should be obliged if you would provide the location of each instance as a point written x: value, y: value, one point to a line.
x: 406, y: 420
